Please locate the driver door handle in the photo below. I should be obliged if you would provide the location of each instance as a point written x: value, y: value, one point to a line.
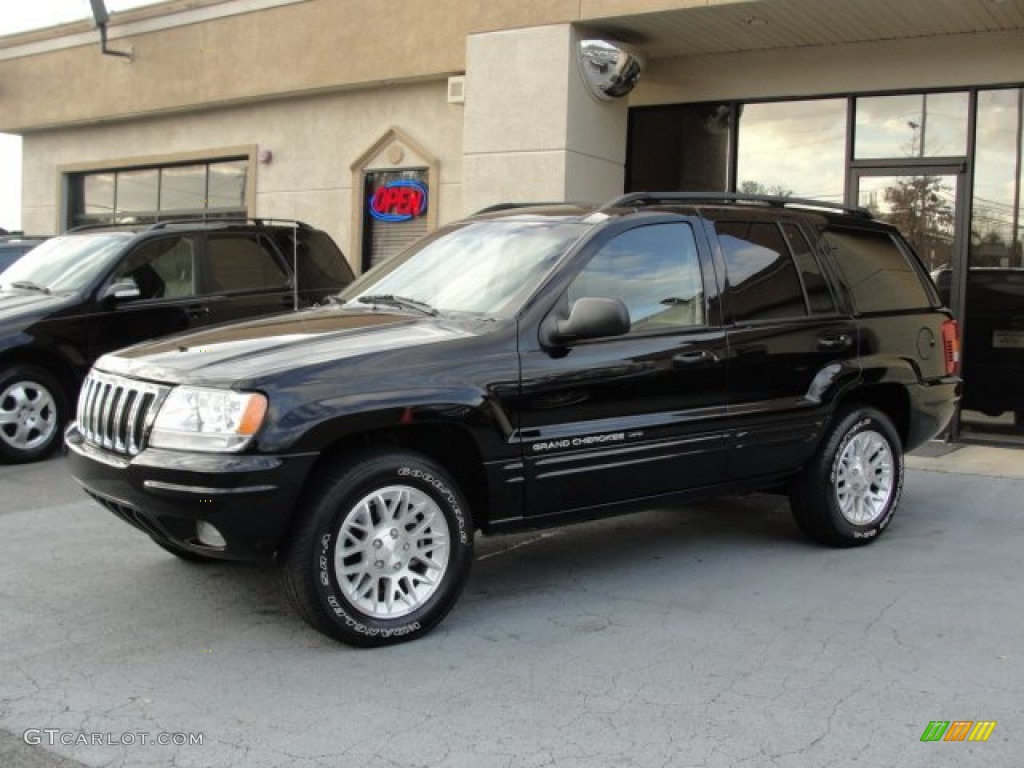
x: 696, y: 357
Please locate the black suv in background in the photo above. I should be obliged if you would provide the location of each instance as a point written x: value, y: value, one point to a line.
x: 993, y: 343
x: 91, y: 291
x: 525, y: 368
x: 13, y: 247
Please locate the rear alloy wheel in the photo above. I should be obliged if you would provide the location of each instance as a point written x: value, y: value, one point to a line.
x: 31, y: 413
x: 848, y: 494
x: 383, y: 552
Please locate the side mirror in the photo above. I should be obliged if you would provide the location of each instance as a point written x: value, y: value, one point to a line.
x: 122, y: 290
x: 589, y: 318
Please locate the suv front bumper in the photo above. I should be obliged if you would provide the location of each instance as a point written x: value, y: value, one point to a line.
x: 249, y: 499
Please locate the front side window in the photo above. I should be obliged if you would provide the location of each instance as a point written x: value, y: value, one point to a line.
x: 161, y: 269
x: 763, y: 281
x: 654, y: 270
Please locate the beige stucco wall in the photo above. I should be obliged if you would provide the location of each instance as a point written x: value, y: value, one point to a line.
x: 314, y: 141
x: 305, y: 47
x: 59, y: 77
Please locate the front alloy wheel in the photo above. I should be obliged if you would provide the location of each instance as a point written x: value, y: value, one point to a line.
x: 392, y: 551
x: 381, y: 551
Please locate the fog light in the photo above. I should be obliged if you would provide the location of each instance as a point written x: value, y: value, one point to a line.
x: 209, y: 536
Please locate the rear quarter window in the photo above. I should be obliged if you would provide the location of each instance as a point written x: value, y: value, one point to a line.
x: 879, y: 275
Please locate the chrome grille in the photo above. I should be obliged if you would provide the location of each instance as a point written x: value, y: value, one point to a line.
x: 114, y: 412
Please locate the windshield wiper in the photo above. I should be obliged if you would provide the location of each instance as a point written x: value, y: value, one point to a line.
x: 30, y: 286
x: 389, y: 299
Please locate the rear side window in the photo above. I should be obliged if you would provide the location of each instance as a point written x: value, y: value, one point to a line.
x: 878, y: 273
x: 243, y: 264
x: 763, y: 281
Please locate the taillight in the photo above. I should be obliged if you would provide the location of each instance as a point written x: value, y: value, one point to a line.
x: 951, y: 346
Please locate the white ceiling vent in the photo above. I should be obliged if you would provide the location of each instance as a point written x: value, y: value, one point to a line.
x: 457, y: 89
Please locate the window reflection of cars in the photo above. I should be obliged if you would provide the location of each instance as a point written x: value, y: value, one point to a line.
x: 993, y: 342
x: 89, y: 292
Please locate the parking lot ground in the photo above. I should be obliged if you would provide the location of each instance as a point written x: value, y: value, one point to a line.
x: 711, y: 635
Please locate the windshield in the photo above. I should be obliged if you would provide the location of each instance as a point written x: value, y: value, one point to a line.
x: 479, y: 267
x: 66, y: 263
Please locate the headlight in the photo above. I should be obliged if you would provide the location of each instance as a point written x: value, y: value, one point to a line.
x: 200, y: 419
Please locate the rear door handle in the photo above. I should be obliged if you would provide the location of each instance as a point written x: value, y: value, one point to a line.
x: 835, y: 341
x: 198, y: 311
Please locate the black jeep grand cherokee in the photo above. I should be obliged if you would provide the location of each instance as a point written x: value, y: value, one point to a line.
x: 522, y: 368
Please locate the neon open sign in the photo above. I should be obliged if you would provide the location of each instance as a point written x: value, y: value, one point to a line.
x: 399, y: 200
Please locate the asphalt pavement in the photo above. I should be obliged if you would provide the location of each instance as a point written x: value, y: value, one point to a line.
x: 711, y: 635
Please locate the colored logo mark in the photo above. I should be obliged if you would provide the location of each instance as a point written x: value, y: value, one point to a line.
x: 958, y: 730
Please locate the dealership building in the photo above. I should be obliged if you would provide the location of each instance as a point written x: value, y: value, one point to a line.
x: 380, y: 121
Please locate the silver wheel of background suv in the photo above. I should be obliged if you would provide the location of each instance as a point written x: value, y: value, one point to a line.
x: 29, y: 414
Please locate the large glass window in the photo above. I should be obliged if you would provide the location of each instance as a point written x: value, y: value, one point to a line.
x: 144, y: 195
x: 183, y: 188
x: 996, y: 223
x: 793, y: 149
x: 679, y: 148
x: 911, y: 125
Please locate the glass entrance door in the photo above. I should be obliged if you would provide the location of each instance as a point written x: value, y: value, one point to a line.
x: 924, y: 205
x: 985, y: 290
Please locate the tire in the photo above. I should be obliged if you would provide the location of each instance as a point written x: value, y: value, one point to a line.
x: 847, y: 495
x: 365, y: 521
x: 33, y: 410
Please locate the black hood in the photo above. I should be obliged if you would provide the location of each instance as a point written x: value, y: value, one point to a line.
x: 259, y: 348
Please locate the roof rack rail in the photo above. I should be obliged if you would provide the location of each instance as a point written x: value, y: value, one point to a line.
x: 655, y: 198
x: 197, y: 220
x: 535, y: 204
x: 229, y: 220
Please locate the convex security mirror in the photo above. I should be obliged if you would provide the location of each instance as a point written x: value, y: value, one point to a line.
x: 609, y: 70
